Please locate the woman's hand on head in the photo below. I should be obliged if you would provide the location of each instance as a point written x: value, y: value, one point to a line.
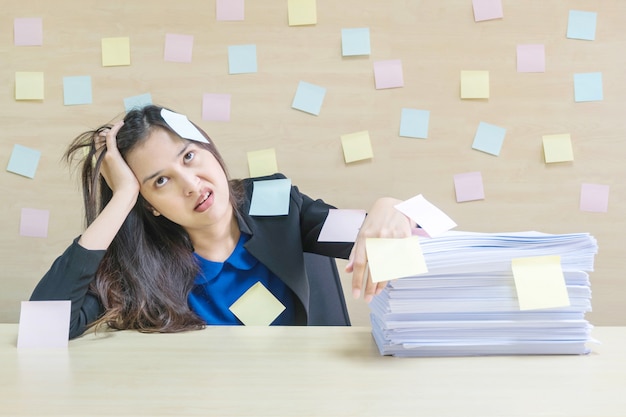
x: 114, y: 169
x: 383, y: 221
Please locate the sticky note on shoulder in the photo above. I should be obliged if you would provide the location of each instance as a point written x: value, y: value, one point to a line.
x: 270, y: 197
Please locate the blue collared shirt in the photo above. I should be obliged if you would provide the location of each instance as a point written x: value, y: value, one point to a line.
x: 219, y: 284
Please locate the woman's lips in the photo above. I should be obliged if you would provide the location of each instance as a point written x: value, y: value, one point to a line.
x: 204, y: 202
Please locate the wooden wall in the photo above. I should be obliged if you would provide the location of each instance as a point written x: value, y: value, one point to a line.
x: 435, y: 40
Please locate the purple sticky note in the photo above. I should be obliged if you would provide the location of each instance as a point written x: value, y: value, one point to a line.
x: 229, y: 9
x: 388, y: 74
x: 44, y: 324
x: 531, y: 58
x: 469, y: 187
x: 28, y: 31
x: 487, y: 9
x: 34, y: 223
x: 216, y: 107
x: 178, y: 48
x: 594, y: 197
x: 342, y: 225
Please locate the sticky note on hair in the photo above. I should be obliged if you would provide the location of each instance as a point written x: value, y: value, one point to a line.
x: 257, y: 306
x: 182, y: 126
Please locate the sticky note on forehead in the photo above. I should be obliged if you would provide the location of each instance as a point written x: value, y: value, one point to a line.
x: 182, y: 126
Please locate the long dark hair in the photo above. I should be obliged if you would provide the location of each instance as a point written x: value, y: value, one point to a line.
x: 148, y: 271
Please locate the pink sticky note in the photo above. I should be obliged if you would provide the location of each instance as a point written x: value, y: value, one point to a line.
x: 426, y: 215
x: 34, y: 223
x: 594, y: 197
x: 487, y: 9
x: 229, y: 9
x: 388, y: 74
x: 44, y: 324
x: 531, y: 58
x: 216, y: 107
x: 28, y: 31
x: 342, y: 225
x: 469, y: 187
x: 178, y: 48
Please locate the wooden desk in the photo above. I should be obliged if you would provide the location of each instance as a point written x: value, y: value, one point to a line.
x: 299, y: 371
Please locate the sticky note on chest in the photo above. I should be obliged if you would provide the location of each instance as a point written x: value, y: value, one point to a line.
x: 257, y: 306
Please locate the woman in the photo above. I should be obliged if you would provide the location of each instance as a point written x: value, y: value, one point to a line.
x: 170, y: 245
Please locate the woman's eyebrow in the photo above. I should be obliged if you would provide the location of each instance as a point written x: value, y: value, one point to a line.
x: 182, y: 151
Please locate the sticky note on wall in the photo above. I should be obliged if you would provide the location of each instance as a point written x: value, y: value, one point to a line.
x: 302, y: 12
x: 474, y: 84
x: 557, y: 148
x: 115, y: 51
x: 357, y: 146
x: 262, y: 162
x: 29, y: 85
x: 24, y: 161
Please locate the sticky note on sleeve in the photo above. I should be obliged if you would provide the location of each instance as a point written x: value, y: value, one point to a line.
x: 342, y: 225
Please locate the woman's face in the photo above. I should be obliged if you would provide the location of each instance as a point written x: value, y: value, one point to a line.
x: 181, y: 180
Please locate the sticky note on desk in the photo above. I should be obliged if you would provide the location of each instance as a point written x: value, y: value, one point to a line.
x: 28, y: 31
x: 355, y: 41
x: 356, y: 146
x: 29, y: 85
x: 557, y: 148
x: 229, y: 10
x: 44, y: 324
x: 429, y: 217
x: 588, y: 87
x: 257, y: 306
x: 309, y: 98
x: 487, y: 9
x: 388, y: 74
x: 24, y: 161
x: 115, y: 51
x: 581, y: 25
x: 178, y: 48
x: 302, y: 12
x: 474, y: 84
x: 394, y: 258
x: 489, y: 138
x: 342, y: 225
x: 262, y: 162
x: 270, y: 197
x: 539, y: 282
x: 77, y: 90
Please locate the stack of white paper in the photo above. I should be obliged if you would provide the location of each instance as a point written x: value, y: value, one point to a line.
x: 469, y: 301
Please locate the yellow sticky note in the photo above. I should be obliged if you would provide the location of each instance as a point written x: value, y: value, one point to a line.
x: 257, y: 306
x: 474, y: 84
x: 394, y: 258
x: 539, y: 282
x: 29, y: 86
x: 302, y: 12
x: 357, y: 146
x: 262, y: 162
x: 558, y: 148
x: 115, y: 52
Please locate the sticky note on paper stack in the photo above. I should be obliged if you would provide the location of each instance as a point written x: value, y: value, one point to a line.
x: 490, y: 294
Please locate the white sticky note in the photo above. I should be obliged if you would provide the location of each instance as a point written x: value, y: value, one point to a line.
x: 427, y: 215
x: 182, y: 126
x: 342, y: 225
x: 44, y: 324
x: 257, y: 306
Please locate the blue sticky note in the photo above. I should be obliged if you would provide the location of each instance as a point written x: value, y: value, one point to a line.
x: 414, y: 123
x: 77, y: 90
x: 270, y: 197
x: 355, y: 41
x: 137, y: 102
x: 489, y: 138
x: 24, y: 161
x: 582, y: 25
x: 242, y: 59
x: 588, y: 87
x: 309, y: 98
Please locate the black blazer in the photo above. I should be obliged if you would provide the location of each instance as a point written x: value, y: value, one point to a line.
x: 276, y: 241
